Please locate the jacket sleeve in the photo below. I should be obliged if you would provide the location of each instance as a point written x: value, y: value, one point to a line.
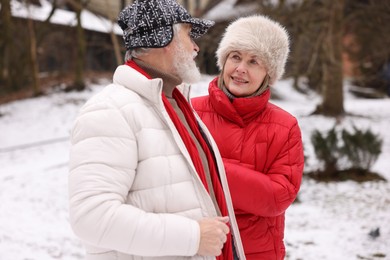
x: 271, y: 193
x: 103, y: 163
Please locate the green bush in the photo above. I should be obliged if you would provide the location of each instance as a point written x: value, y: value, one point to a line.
x: 344, y: 150
x: 327, y: 149
x: 362, y: 148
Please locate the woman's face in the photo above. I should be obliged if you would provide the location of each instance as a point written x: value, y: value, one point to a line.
x: 243, y: 73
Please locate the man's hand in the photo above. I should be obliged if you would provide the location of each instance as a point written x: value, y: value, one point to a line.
x: 213, y: 235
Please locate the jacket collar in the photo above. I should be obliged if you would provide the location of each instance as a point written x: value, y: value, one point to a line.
x: 240, y: 110
x: 149, y: 89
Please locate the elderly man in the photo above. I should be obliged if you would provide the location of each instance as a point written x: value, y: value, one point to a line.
x: 146, y: 179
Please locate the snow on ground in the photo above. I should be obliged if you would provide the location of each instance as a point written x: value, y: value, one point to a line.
x: 330, y: 221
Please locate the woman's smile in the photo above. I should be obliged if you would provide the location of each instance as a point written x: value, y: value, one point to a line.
x: 239, y: 80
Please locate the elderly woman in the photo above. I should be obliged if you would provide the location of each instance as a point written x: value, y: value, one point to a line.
x: 260, y: 143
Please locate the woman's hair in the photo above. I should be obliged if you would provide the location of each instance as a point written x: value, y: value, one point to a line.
x: 135, y: 53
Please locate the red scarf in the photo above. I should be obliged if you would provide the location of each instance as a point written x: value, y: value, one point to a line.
x: 227, y: 251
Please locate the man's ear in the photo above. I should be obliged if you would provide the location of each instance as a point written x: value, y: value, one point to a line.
x: 169, y: 47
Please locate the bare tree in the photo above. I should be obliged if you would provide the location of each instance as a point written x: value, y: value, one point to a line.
x: 34, y: 66
x: 19, y: 63
x: 78, y: 80
x: 6, y: 46
x: 316, y: 28
x: 332, y: 69
x: 114, y: 38
x: 81, y: 49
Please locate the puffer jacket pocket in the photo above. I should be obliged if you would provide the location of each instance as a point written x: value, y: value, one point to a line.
x: 255, y: 233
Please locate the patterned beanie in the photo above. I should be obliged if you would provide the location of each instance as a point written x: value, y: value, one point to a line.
x: 148, y: 23
x: 260, y: 36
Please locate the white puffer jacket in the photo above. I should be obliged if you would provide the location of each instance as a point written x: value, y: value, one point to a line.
x: 134, y: 192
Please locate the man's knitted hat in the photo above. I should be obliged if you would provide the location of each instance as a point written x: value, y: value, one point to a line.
x: 259, y: 36
x: 148, y: 23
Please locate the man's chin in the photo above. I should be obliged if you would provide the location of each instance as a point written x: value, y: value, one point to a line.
x: 187, y: 70
x: 189, y: 74
x: 192, y: 77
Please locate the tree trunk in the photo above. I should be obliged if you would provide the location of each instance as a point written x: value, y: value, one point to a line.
x: 78, y: 83
x: 5, y: 44
x: 332, y: 72
x: 34, y: 66
x: 118, y: 56
x: 114, y: 39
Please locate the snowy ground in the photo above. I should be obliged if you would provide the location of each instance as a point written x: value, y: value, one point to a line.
x: 331, y: 222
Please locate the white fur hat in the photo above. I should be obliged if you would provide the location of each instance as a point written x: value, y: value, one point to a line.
x: 261, y: 36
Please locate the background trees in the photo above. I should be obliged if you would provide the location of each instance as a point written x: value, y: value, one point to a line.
x: 8, y: 78
x: 325, y: 34
x: 37, y: 54
x: 367, y: 25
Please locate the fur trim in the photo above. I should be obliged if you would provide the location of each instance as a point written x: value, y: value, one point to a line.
x: 261, y: 36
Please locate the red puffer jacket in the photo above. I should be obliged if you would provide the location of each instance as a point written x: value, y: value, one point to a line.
x: 262, y: 150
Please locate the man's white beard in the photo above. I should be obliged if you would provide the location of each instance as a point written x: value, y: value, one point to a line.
x: 185, y: 66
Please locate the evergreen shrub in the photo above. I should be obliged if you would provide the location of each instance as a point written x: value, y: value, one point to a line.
x: 341, y: 150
